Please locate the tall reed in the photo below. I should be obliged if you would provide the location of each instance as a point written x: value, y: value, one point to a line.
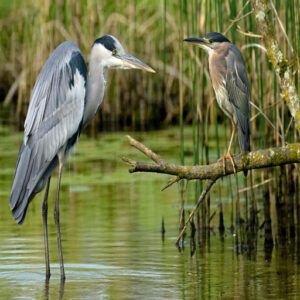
x: 180, y: 92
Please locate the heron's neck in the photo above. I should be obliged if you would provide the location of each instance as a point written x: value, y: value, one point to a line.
x: 95, y: 88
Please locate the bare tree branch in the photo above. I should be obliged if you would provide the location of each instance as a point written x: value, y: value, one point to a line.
x: 134, y: 143
x: 253, y: 160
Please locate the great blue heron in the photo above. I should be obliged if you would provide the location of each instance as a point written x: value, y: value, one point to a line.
x: 63, y: 101
x: 230, y: 82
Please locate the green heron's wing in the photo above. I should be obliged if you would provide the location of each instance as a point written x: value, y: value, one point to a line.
x: 238, y: 89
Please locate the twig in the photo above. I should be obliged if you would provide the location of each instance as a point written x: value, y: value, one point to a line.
x: 281, y: 26
x: 248, y: 33
x: 200, y: 199
x: 144, y: 150
x: 129, y: 161
x: 13, y: 89
x: 212, y: 216
x: 288, y: 127
x: 237, y: 18
x: 266, y: 118
x: 243, y: 16
x: 254, y: 45
x: 171, y: 182
x: 254, y: 186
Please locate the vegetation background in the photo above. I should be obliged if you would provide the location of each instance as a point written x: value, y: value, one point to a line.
x: 180, y: 93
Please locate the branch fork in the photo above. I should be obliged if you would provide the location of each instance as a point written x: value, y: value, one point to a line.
x: 253, y: 160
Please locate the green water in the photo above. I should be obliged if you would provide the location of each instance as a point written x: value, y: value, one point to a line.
x: 110, y: 222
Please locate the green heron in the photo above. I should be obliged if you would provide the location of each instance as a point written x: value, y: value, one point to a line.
x: 230, y: 82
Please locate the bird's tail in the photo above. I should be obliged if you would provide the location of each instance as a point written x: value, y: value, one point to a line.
x: 19, y: 198
x: 34, y: 167
x: 244, y: 141
x: 30, y: 178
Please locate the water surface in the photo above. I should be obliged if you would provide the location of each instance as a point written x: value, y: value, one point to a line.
x: 110, y: 222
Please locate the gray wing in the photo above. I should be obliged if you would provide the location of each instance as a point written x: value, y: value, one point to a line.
x: 238, y: 89
x: 53, y: 120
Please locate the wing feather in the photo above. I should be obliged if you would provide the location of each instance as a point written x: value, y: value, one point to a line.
x: 237, y: 86
x: 54, y: 117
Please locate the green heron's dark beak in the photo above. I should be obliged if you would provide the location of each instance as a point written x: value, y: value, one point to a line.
x: 195, y: 40
x: 131, y: 62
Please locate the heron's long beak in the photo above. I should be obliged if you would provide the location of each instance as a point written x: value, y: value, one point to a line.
x: 131, y: 62
x: 196, y: 40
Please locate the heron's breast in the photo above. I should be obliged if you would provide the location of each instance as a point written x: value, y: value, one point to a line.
x: 217, y: 73
x: 224, y: 103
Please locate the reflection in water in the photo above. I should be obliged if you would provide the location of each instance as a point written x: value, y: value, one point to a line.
x: 162, y: 229
x: 113, y: 225
x: 60, y: 291
x: 192, y: 237
x: 46, y: 295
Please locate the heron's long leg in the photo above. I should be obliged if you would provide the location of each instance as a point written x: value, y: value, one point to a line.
x: 228, y: 154
x: 45, y: 223
x: 56, y: 219
x: 231, y: 138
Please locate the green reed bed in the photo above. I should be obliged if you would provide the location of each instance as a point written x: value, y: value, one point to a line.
x: 179, y: 93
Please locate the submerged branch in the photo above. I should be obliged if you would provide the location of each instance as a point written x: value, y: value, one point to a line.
x: 253, y: 160
x: 200, y: 200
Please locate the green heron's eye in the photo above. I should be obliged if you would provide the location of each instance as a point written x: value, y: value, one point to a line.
x: 114, y: 52
x: 208, y: 41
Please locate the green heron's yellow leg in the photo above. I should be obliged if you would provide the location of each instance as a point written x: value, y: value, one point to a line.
x: 228, y: 154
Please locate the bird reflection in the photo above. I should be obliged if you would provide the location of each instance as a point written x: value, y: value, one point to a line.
x: 60, y: 291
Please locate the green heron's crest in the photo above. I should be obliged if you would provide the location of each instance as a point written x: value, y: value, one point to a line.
x: 216, y: 37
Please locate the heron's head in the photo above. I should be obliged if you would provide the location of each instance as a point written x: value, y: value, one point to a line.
x: 108, y: 51
x: 210, y: 42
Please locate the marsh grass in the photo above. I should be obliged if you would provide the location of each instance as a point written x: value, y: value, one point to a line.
x: 180, y: 92
x: 152, y: 30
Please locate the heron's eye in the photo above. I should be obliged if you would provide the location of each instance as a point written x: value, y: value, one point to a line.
x: 114, y: 52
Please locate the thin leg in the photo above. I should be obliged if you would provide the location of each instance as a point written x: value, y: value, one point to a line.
x: 231, y: 138
x: 228, y: 154
x: 45, y: 223
x: 56, y: 219
x: 229, y: 147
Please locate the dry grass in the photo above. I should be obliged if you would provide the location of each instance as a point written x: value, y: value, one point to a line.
x: 153, y: 31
